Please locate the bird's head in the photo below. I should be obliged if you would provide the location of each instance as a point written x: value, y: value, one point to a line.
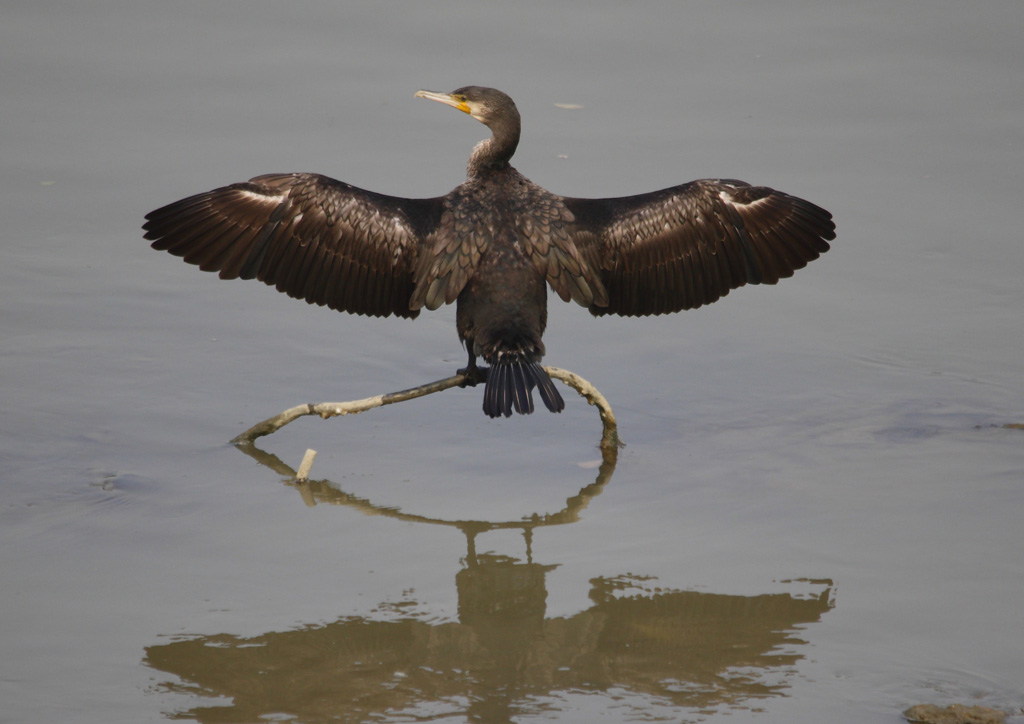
x: 496, y: 111
x: 487, y: 105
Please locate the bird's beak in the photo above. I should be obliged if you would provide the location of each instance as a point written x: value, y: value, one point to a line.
x: 445, y: 98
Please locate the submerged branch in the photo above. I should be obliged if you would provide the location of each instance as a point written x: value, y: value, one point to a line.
x: 609, y: 438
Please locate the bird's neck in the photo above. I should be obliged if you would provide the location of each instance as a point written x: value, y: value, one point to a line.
x: 496, y: 151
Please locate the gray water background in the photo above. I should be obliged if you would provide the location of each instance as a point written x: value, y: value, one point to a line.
x: 840, y: 433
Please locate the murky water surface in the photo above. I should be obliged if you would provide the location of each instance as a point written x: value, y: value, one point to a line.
x: 816, y: 517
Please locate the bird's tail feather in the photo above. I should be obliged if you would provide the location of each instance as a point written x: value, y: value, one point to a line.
x: 509, y: 385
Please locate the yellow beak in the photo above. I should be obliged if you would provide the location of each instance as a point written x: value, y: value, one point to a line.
x: 445, y: 98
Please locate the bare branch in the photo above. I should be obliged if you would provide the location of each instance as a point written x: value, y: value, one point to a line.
x: 609, y: 438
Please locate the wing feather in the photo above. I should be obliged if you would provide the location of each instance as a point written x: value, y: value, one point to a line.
x: 309, y: 236
x: 686, y: 246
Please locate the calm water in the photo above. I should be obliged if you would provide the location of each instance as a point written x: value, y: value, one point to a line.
x: 817, y: 513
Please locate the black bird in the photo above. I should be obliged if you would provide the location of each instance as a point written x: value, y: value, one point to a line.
x: 493, y: 244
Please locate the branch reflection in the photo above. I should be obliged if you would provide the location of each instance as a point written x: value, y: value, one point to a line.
x: 324, y: 491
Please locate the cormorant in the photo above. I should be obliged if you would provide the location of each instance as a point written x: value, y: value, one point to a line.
x: 493, y: 245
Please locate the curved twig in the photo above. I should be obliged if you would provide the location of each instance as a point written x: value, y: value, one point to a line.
x: 609, y: 438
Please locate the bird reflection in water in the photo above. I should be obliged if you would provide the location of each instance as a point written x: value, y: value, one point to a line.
x: 657, y: 651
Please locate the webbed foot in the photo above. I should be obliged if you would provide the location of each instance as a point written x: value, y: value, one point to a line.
x: 474, y: 375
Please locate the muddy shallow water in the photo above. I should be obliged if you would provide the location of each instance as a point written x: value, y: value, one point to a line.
x: 816, y: 516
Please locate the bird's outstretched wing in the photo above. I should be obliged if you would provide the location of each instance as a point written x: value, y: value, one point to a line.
x: 686, y: 246
x: 309, y: 236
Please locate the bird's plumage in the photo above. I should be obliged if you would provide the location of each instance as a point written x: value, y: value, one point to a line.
x: 492, y: 245
x: 309, y: 236
x: 686, y: 246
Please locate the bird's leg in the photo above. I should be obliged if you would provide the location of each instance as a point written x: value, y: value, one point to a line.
x: 474, y: 375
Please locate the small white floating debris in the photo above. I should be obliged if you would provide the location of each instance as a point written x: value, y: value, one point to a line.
x: 304, y: 468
